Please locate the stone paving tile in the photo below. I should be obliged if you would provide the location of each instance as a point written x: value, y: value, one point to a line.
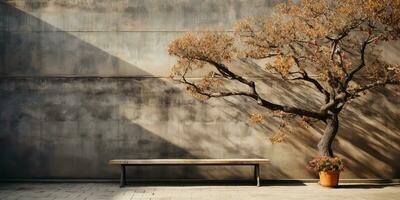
x: 110, y: 191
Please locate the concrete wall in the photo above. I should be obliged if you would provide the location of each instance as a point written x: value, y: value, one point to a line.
x: 84, y: 81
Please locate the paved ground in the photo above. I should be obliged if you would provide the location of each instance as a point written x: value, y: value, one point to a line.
x: 99, y: 191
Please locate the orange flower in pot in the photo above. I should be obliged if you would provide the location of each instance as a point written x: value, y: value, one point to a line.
x: 329, y: 170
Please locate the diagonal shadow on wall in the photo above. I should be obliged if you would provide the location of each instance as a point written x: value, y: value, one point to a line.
x: 55, y: 127
x: 69, y: 127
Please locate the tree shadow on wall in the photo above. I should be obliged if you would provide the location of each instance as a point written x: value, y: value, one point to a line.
x: 369, y: 134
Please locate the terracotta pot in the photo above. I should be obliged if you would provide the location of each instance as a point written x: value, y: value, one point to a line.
x: 329, y: 179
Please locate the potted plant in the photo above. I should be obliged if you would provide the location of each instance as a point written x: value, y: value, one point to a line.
x: 328, y: 168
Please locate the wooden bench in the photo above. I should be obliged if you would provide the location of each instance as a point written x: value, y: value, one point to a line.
x: 158, y: 162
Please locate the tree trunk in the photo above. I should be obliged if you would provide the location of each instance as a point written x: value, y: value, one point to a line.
x: 325, y: 144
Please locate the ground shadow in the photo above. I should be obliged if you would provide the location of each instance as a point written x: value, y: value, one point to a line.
x: 367, y: 186
x: 203, y: 182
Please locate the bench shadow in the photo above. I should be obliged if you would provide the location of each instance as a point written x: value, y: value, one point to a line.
x: 202, y: 182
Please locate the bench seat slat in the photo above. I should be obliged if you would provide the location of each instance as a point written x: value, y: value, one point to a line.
x: 188, y: 161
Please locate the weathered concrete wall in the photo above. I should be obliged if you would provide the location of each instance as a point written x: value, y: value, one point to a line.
x: 84, y: 81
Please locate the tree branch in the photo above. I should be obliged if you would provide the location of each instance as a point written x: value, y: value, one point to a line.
x: 356, y: 91
x: 214, y: 94
x: 254, y: 94
x: 361, y: 65
x: 305, y: 77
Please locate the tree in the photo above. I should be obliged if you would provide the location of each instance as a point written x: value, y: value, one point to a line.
x: 333, y: 46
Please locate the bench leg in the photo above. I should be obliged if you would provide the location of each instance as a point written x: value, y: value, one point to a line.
x: 257, y: 174
x: 123, y: 176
